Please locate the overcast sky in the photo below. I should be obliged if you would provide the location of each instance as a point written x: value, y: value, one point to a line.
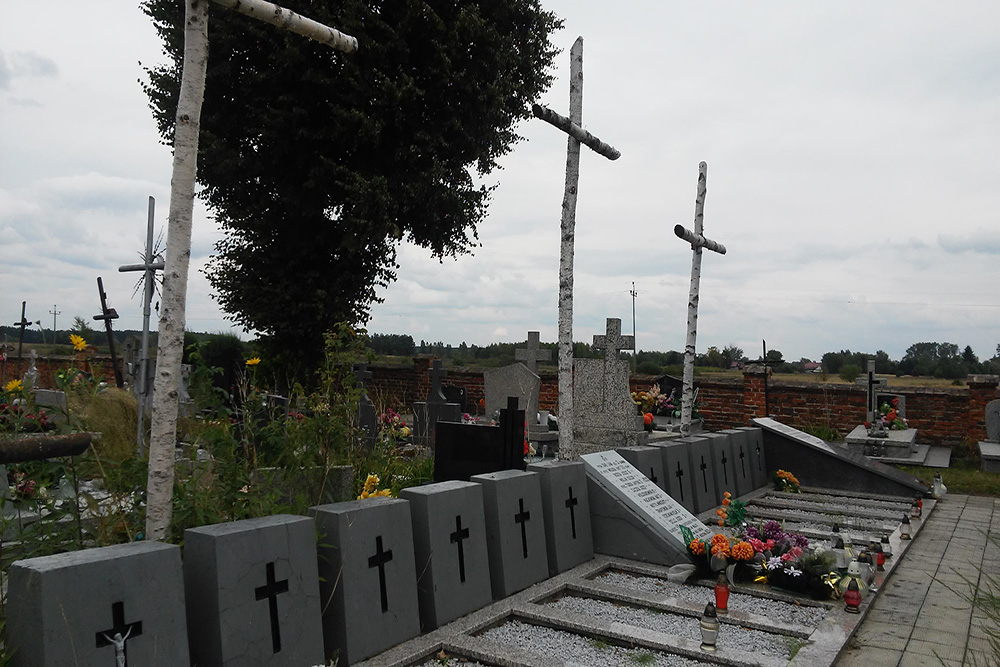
x: 853, y: 154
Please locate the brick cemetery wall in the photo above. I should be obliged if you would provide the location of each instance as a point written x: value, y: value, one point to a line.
x: 47, y: 367
x: 943, y: 416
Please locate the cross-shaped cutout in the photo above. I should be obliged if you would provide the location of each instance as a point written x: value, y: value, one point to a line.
x: 521, y: 517
x: 725, y: 470
x: 680, y: 483
x: 533, y: 354
x: 704, y: 475
x: 457, y: 537
x: 571, y: 504
x: 652, y: 475
x: 119, y: 633
x: 270, y: 592
x: 612, y: 342
x: 743, y: 467
x: 379, y: 560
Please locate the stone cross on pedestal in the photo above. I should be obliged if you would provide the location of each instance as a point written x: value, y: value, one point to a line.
x: 875, y: 429
x: 697, y: 241
x: 149, y: 267
x: 573, y: 126
x: 612, y: 342
x: 533, y: 354
x: 436, y: 373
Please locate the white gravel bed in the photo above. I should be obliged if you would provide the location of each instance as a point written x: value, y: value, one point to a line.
x: 577, y: 649
x: 820, y: 517
x: 730, y: 636
x: 825, y: 508
x: 451, y: 662
x: 857, y: 536
x: 785, y: 612
x: 901, y: 505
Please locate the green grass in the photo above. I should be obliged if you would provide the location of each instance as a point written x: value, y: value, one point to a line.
x: 964, y: 476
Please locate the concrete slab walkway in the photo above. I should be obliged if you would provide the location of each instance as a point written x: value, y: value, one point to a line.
x: 924, y: 615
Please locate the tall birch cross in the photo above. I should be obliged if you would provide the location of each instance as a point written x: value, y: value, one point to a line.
x: 573, y: 126
x: 697, y: 241
x: 149, y: 269
x: 163, y: 434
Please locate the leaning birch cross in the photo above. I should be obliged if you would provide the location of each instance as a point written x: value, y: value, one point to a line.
x: 163, y: 432
x: 577, y: 135
x: 697, y: 241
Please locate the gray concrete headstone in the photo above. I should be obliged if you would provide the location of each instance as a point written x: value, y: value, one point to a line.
x: 758, y: 464
x: 677, y: 471
x: 648, y: 461
x: 449, y: 542
x: 742, y: 464
x: 993, y: 421
x: 513, y: 380
x: 515, y: 525
x: 93, y: 606
x: 252, y: 590
x: 631, y: 516
x: 568, y: 534
x: 703, y: 471
x: 724, y: 459
x: 368, y: 582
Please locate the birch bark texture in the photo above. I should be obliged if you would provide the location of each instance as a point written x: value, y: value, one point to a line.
x: 573, y: 126
x: 163, y: 431
x: 698, y: 241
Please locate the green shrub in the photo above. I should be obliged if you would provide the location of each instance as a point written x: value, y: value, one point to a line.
x: 850, y: 372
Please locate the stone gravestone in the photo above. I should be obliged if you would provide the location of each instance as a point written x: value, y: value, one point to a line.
x: 677, y: 471
x: 742, y: 460
x: 569, y: 538
x: 368, y: 583
x: 515, y: 381
x: 426, y: 414
x: 464, y: 450
x: 449, y: 542
x: 758, y: 463
x: 515, y: 530
x: 252, y: 592
x: 632, y: 517
x: 648, y: 461
x: 367, y: 419
x: 724, y: 458
x: 117, y: 605
x: 605, y: 415
x: 703, y: 472
x: 989, y: 449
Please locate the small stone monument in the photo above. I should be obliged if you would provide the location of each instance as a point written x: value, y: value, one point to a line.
x: 989, y: 449
x: 30, y: 379
x: 426, y: 414
x: 538, y: 429
x: 872, y: 438
x: 606, y: 416
x: 367, y: 419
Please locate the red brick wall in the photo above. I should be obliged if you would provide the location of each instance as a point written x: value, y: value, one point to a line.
x: 48, y: 366
x: 945, y: 416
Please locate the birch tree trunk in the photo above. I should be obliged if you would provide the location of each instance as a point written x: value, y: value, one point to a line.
x: 568, y: 235
x: 160, y: 484
x: 687, y: 397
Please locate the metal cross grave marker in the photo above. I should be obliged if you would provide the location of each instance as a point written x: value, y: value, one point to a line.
x: 22, y: 324
x: 573, y: 126
x: 697, y: 241
x: 108, y: 314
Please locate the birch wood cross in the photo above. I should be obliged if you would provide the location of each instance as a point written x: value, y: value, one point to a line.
x: 163, y: 433
x: 577, y: 135
x: 697, y: 241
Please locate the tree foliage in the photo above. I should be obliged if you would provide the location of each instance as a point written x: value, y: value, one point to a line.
x: 318, y: 164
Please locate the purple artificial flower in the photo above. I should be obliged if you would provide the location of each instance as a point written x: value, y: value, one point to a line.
x: 752, y: 533
x: 800, y: 540
x: 772, y: 530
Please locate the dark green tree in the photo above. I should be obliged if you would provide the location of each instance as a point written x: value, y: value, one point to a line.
x: 318, y: 164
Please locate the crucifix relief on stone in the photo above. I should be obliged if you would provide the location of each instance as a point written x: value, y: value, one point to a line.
x: 270, y: 592
x: 573, y: 126
x: 697, y: 241
x: 521, y: 517
x: 119, y: 633
x: 533, y: 354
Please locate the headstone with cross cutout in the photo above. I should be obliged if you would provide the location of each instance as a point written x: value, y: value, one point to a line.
x: 252, y: 588
x: 449, y: 543
x: 631, y: 516
x: 703, y: 471
x: 515, y: 530
x: 606, y: 416
x: 648, y: 461
x: 368, y: 583
x: 426, y: 414
x: 758, y: 464
x: 724, y: 458
x: 569, y: 539
x: 742, y: 462
x: 677, y: 471
x: 117, y: 605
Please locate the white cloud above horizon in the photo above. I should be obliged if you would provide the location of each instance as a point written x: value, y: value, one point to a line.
x: 853, y: 153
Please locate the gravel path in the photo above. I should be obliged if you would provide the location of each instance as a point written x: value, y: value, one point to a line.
x: 785, y: 612
x: 577, y: 649
x: 451, y: 662
x: 856, y: 522
x: 901, y: 505
x: 730, y: 636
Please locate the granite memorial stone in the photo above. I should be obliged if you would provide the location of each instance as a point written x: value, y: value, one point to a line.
x: 465, y: 450
x: 252, y: 590
x: 758, y: 463
x: 648, y: 461
x: 725, y: 461
x: 515, y: 530
x: 742, y: 464
x: 368, y: 584
x: 426, y: 414
x: 566, y: 504
x: 989, y: 449
x: 677, y: 471
x: 116, y: 605
x: 703, y: 472
x: 449, y: 542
